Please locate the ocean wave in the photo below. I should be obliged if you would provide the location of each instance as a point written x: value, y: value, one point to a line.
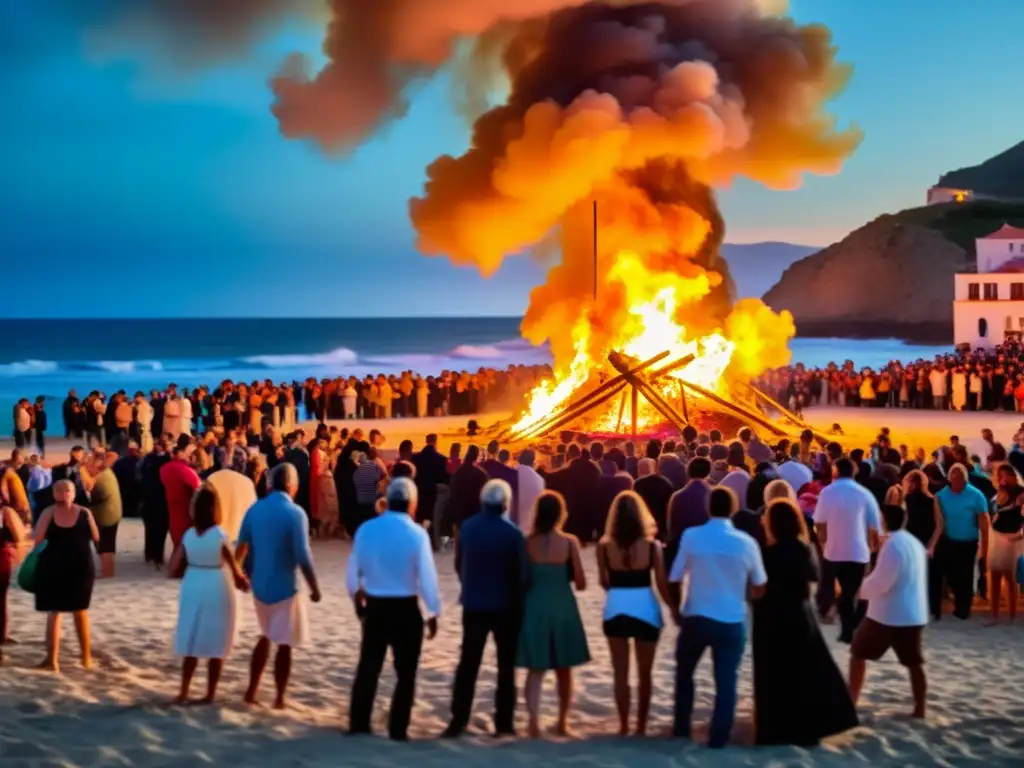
x: 116, y: 366
x: 28, y: 368
x: 340, y: 361
x: 336, y: 357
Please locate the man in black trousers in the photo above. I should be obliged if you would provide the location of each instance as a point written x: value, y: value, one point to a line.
x: 391, y: 567
x: 492, y: 564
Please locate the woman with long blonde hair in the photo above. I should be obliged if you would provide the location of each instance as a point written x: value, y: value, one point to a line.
x: 630, y: 564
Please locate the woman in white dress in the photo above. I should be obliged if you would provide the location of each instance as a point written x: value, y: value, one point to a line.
x: 207, y: 606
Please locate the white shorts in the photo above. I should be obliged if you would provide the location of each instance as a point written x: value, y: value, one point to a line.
x: 284, y: 623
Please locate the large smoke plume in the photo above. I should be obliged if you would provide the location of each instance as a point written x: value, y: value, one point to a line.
x: 643, y: 107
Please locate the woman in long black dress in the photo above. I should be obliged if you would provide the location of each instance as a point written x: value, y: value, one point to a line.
x: 800, y: 696
x: 65, y: 571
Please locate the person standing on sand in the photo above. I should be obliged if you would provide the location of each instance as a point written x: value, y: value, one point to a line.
x: 897, y: 595
x: 631, y: 568
x: 12, y: 534
x: 65, y: 572
x: 1005, y: 542
x: 107, y: 510
x: 154, y: 503
x: 965, y: 523
x: 180, y: 481
x: 493, y: 569
x: 723, y: 567
x: 275, y: 539
x: 552, y: 637
x: 207, y: 605
x: 847, y: 522
x: 390, y: 568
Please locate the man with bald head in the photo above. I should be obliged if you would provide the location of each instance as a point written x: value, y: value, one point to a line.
x: 275, y: 537
x: 491, y: 563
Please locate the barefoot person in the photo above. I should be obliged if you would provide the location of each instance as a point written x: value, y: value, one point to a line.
x: 1005, y: 542
x: 65, y: 572
x: 552, y: 637
x: 390, y: 569
x: 629, y: 561
x: 207, y: 605
x: 275, y: 538
x: 897, y: 595
x: 12, y: 534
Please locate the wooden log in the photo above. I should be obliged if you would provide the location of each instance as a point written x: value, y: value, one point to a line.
x: 737, y: 409
x: 584, y: 402
x: 567, y: 417
x: 662, y: 405
x: 670, y: 367
x: 622, y: 411
x: 636, y: 402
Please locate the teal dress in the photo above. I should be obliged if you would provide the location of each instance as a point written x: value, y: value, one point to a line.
x: 552, y: 635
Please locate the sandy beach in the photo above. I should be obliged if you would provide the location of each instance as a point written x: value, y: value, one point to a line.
x: 927, y: 429
x: 118, y: 713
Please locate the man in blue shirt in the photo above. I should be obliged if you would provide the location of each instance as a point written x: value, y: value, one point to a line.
x: 275, y: 537
x: 491, y: 561
x: 965, y: 524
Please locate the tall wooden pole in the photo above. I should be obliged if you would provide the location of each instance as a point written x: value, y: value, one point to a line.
x: 635, y: 403
x: 595, y: 250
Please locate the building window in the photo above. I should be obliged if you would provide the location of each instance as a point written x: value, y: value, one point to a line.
x: 1017, y: 291
x: 991, y: 291
x: 1011, y: 247
x: 982, y: 328
x: 973, y: 292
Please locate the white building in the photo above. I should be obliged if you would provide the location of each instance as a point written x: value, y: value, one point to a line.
x: 938, y: 195
x: 988, y: 305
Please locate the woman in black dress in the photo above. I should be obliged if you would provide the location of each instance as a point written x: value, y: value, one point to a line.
x: 65, y: 571
x: 800, y: 696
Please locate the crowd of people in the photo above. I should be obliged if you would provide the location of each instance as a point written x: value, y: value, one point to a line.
x: 805, y: 532
x: 971, y: 380
x: 179, y: 411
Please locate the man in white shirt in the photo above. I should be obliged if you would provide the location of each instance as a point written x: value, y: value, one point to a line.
x: 531, y: 485
x: 391, y: 567
x: 897, y: 595
x: 723, y: 567
x: 796, y: 474
x: 847, y: 521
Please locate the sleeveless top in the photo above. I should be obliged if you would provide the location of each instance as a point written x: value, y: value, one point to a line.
x: 630, y: 593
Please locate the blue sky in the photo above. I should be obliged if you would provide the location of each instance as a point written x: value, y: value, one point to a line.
x: 132, y: 195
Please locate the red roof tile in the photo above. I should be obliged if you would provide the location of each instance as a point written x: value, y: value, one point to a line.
x: 1006, y: 232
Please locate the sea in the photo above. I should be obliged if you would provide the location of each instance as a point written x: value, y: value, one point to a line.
x: 49, y: 357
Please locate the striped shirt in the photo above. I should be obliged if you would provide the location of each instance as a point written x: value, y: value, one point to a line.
x: 366, y: 479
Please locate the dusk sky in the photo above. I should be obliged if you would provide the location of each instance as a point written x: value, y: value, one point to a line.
x: 129, y: 191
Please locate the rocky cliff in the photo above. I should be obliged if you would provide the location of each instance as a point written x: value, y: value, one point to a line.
x: 893, y: 277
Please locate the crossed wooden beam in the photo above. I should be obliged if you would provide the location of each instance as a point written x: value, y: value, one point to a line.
x: 635, y: 379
